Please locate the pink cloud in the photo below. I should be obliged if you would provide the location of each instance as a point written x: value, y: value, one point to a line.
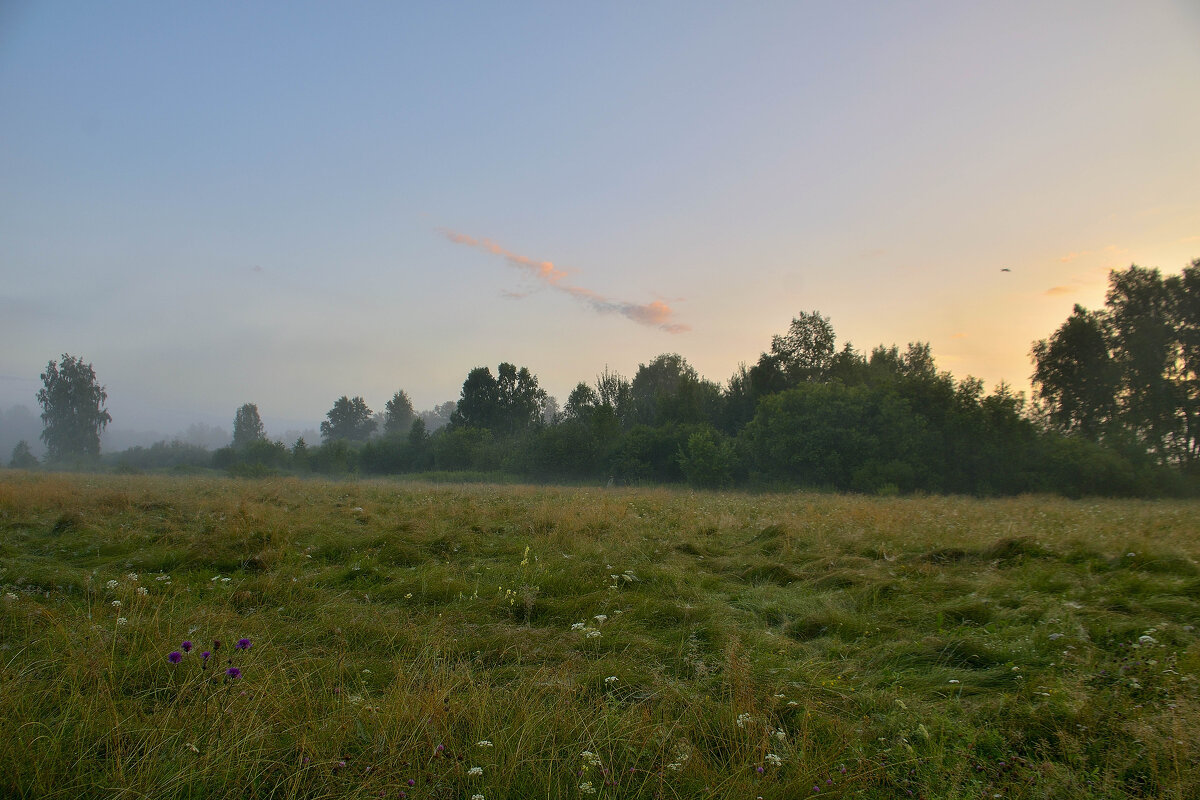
x: 1053, y: 290
x: 656, y: 314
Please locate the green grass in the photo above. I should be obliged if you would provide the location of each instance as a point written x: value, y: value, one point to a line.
x: 870, y: 647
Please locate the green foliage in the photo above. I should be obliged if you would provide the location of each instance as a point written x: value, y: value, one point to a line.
x: 507, y: 404
x: 400, y: 414
x: 173, y: 455
x: 348, y: 420
x: 73, y: 412
x: 709, y: 460
x: 22, y: 457
x: 247, y: 427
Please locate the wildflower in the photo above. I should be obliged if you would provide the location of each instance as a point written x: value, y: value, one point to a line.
x: 112, y: 584
x: 214, y: 578
x: 955, y: 680
x: 590, y: 758
x: 10, y: 595
x: 601, y: 618
x: 587, y: 788
x: 122, y: 621
x: 205, y: 655
x: 593, y: 634
x: 186, y: 646
x: 162, y: 577
x: 175, y: 656
x: 476, y: 797
x: 233, y: 673
x: 411, y: 782
x: 578, y: 626
x: 1147, y: 639
x: 143, y: 591
x: 133, y: 576
x: 475, y: 772
x: 226, y: 580
x: 611, y: 679
x: 242, y: 644
x: 408, y: 596
x: 116, y: 603
x: 742, y: 719
x: 484, y: 743
x: 780, y: 734
x: 759, y: 770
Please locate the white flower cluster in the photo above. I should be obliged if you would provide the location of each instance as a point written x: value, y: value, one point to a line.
x: 475, y: 772
x: 773, y: 760
x: 484, y: 743
x: 611, y: 679
x: 590, y: 759
x: 743, y: 719
x: 143, y: 591
x: 112, y: 584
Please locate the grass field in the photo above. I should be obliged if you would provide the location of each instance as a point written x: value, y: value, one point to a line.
x: 417, y: 641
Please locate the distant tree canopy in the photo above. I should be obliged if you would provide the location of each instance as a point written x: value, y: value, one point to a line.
x: 73, y: 413
x: 247, y: 427
x: 400, y: 415
x: 1129, y: 374
x: 507, y: 403
x: 348, y: 420
x: 23, y: 457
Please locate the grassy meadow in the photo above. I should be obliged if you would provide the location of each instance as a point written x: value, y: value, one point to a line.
x: 407, y: 640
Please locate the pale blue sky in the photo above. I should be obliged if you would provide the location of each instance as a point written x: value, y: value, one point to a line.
x: 228, y: 203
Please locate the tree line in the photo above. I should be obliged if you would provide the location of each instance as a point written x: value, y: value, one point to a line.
x: 1114, y: 412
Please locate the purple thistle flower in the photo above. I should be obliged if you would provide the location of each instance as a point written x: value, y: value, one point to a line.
x: 205, y: 655
x: 243, y: 644
x: 759, y: 770
x: 411, y: 782
x: 186, y: 647
x: 233, y: 672
x: 175, y: 656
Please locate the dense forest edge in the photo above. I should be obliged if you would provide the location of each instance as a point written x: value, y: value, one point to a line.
x: 1115, y: 411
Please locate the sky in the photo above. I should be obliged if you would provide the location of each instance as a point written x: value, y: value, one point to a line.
x: 287, y: 202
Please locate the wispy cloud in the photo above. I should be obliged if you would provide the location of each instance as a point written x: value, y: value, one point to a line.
x: 1053, y: 290
x: 1069, y: 257
x: 1109, y: 250
x: 959, y: 336
x: 655, y: 314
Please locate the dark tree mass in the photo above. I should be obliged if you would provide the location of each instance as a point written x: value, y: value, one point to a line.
x: 73, y: 413
x: 1115, y: 411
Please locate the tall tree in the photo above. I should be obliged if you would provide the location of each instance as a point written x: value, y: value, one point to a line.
x: 400, y: 414
x: 1145, y: 349
x: 1185, y: 293
x: 73, y: 413
x: 247, y: 426
x: 806, y: 351
x: 1075, y: 377
x: 509, y: 402
x: 348, y: 419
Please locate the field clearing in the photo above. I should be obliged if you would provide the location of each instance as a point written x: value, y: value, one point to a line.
x: 418, y: 641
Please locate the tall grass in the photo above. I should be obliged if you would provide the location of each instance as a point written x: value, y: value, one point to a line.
x: 600, y: 643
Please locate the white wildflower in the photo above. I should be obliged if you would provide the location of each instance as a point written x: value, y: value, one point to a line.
x: 133, y: 576
x: 116, y: 603
x: 476, y: 797
x: 226, y: 580
x: 484, y: 743
x: 674, y: 766
x: 773, y: 760
x: 215, y: 578
x: 475, y: 772
x: 10, y: 595
x: 955, y: 680
x: 112, y: 584
x: 122, y: 621
x: 742, y: 719
x: 780, y: 734
x: 1147, y: 639
x: 143, y: 591
x: 592, y: 633
x: 578, y: 626
x: 611, y: 679
x: 162, y: 577
x: 601, y: 618
x: 590, y: 758
x: 587, y: 788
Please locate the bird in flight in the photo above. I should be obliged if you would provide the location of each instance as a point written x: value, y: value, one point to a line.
x: 1005, y: 269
